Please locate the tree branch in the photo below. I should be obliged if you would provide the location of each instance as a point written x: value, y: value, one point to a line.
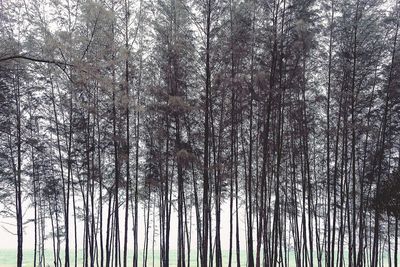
x: 49, y: 61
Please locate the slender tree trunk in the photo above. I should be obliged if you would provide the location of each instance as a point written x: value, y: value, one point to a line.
x: 206, y: 138
x: 127, y: 149
x: 232, y: 137
x: 330, y: 241
x: 17, y: 183
x: 396, y: 242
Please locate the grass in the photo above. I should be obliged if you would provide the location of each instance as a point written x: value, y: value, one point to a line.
x: 8, y: 258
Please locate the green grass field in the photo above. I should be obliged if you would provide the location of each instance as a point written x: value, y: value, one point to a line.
x: 8, y: 258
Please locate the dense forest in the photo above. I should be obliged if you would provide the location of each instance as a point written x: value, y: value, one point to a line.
x: 276, y: 120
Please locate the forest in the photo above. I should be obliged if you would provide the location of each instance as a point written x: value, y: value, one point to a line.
x: 205, y: 132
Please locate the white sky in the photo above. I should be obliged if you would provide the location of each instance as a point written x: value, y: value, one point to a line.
x: 9, y: 240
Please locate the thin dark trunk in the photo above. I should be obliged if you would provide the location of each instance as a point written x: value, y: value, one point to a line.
x: 127, y: 149
x: 206, y: 139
